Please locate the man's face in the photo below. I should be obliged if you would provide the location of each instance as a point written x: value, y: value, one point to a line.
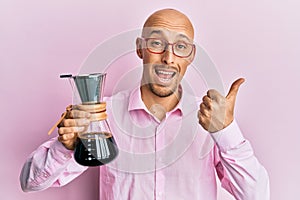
x: 163, y: 72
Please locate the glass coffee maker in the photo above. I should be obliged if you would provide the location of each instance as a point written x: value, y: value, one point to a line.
x: 96, y: 145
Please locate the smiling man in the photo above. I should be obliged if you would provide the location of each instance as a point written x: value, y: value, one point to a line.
x: 167, y: 49
x: 171, y: 143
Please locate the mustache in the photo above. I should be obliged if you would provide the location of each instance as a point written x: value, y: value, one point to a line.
x: 166, y: 67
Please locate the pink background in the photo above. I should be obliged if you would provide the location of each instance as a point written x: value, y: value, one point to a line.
x: 256, y: 39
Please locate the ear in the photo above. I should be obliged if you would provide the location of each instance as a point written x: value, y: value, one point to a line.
x: 139, y: 47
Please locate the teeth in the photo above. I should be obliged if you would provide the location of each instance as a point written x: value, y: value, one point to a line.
x: 164, y: 72
x: 164, y: 80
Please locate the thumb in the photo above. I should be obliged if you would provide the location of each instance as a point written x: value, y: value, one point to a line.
x: 234, y: 88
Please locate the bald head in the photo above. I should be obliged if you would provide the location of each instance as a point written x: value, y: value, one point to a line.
x: 172, y: 20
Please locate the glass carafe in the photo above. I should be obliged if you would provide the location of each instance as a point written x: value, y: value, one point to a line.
x: 96, y: 145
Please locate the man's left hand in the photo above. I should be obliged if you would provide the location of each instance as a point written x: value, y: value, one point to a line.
x: 216, y: 112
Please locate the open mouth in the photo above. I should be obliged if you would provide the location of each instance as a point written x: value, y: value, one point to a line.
x: 164, y: 76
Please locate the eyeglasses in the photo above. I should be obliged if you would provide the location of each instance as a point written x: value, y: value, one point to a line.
x: 181, y: 49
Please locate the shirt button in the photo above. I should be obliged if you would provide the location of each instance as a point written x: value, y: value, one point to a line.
x: 45, y: 175
x: 67, y: 156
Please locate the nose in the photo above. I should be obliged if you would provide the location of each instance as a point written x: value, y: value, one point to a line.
x: 168, y: 56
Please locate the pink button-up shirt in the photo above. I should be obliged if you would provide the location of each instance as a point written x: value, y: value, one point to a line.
x: 169, y: 159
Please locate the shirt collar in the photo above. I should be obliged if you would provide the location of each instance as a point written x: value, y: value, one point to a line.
x: 136, y: 102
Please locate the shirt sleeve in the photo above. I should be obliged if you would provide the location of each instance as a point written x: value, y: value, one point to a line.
x: 240, y: 172
x: 51, y: 165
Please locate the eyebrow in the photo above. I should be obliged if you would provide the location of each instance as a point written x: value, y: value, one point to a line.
x: 184, y: 36
x: 161, y: 33
x: 156, y: 31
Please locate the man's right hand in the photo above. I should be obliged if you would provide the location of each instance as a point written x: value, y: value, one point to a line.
x: 76, y: 121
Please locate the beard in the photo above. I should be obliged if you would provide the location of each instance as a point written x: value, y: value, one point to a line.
x: 156, y: 79
x: 163, y: 91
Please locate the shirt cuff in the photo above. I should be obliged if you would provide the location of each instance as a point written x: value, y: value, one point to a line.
x: 60, y: 153
x: 229, y: 137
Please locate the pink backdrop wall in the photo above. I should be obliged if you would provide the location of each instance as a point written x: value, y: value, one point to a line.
x: 256, y: 39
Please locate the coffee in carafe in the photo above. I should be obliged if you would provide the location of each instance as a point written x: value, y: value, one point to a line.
x: 96, y: 145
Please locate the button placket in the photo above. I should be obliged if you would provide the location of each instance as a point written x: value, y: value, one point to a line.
x: 160, y: 179
x: 160, y: 184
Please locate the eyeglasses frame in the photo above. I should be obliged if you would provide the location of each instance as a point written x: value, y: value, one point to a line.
x: 168, y: 43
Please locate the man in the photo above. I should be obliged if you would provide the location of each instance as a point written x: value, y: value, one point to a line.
x: 164, y: 153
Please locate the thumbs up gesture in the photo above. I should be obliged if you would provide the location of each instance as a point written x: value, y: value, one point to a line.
x: 216, y: 111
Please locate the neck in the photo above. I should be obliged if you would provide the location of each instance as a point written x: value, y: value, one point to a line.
x: 159, y: 106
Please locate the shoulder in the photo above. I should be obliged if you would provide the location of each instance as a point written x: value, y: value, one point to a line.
x: 190, y: 99
x: 118, y: 102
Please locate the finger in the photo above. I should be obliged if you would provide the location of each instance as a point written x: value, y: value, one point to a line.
x: 214, y: 95
x: 65, y: 130
x: 202, y: 120
x: 69, y: 143
x: 79, y: 114
x: 75, y: 122
x: 207, y: 101
x: 66, y: 137
x: 234, y: 88
x: 204, y: 110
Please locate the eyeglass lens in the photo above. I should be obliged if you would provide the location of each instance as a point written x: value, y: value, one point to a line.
x: 180, y: 48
